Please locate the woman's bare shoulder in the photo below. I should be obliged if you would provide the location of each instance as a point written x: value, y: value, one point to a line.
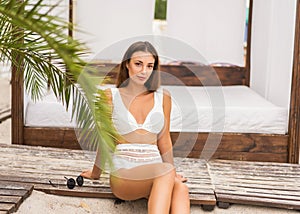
x: 108, y: 94
x: 166, y: 92
x: 166, y: 95
x: 167, y: 99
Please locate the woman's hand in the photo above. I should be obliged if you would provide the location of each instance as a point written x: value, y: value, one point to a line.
x: 92, y: 174
x: 181, y: 178
x: 89, y: 175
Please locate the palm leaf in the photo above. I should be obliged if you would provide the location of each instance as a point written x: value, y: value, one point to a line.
x: 36, y: 43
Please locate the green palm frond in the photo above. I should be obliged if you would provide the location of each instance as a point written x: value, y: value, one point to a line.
x: 36, y: 43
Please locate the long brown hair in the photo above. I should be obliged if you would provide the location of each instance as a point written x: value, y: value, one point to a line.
x: 123, y: 75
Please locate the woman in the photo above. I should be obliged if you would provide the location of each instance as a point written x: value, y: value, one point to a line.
x: 143, y: 159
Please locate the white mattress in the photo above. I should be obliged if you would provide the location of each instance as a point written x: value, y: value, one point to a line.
x: 194, y: 109
x: 224, y: 109
x: 48, y: 112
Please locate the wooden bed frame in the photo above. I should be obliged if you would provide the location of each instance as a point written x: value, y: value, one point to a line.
x: 234, y: 146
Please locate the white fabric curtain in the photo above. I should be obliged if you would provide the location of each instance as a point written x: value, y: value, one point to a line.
x: 215, y: 28
x: 107, y: 22
x: 272, y: 49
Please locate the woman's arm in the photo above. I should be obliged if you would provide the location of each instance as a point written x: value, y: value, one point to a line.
x: 92, y: 174
x: 164, y: 141
x: 96, y: 171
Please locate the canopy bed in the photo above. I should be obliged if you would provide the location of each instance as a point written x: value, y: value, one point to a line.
x: 254, y: 129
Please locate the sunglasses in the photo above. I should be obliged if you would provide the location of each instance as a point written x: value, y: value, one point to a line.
x: 71, y: 183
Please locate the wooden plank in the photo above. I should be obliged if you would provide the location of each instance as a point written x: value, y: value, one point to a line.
x: 234, y: 146
x: 84, y: 191
x: 105, y: 192
x: 258, y: 164
x: 275, y: 170
x: 260, y: 183
x: 184, y: 73
x: 9, y: 208
x: 15, y: 186
x: 13, y: 192
x: 260, y: 193
x: 256, y: 183
x: 200, y: 199
x: 239, y: 156
x: 42, y: 151
x: 11, y: 199
x: 269, y: 202
x: 232, y: 142
x: 48, y: 137
x: 193, y: 74
x: 243, y: 146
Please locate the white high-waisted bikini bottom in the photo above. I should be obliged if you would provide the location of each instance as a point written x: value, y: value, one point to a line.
x: 131, y: 155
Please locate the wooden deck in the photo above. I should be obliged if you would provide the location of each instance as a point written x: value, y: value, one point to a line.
x: 38, y: 165
x: 256, y: 183
x: 12, y: 194
x: 217, y: 182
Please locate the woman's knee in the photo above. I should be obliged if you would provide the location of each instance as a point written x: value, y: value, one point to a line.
x: 181, y: 188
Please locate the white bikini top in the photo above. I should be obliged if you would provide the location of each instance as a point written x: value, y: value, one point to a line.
x: 124, y: 121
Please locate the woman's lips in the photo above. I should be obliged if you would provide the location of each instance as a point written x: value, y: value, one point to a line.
x: 141, y: 78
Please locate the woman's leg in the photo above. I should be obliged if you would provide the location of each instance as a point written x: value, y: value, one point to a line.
x: 153, y: 181
x: 180, y: 198
x: 161, y: 194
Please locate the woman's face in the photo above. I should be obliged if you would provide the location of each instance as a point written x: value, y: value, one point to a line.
x: 140, y: 67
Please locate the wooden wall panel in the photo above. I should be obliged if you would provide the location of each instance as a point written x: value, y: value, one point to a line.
x: 250, y: 147
x: 51, y: 137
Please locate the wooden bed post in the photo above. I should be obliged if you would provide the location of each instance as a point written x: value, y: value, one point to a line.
x: 248, y: 50
x: 17, y: 106
x: 71, y: 18
x: 17, y: 97
x: 294, y: 118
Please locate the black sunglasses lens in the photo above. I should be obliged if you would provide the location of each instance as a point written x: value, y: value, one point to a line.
x: 79, y: 180
x: 71, y: 183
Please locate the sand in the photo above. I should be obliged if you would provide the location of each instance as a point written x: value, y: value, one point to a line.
x: 40, y: 202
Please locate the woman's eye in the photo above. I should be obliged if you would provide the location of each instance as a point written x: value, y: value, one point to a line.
x: 138, y: 64
x: 150, y: 66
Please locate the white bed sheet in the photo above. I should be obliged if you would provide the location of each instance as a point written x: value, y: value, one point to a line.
x: 194, y: 109
x: 224, y: 109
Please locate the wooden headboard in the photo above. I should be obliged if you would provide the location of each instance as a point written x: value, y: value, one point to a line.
x: 186, y: 74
